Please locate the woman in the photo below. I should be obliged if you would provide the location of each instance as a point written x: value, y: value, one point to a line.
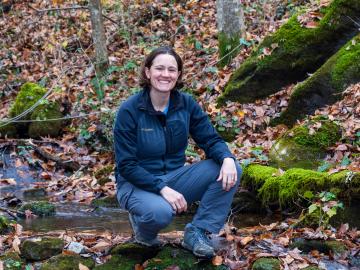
x: 151, y: 136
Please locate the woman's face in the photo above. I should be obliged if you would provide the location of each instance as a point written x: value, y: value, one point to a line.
x: 163, y: 73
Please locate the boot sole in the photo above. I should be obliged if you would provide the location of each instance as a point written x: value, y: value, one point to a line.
x: 186, y: 246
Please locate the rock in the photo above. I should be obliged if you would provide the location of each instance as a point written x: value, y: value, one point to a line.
x: 102, y: 175
x: 5, y: 225
x: 135, y: 251
x: 304, y: 146
x: 118, y: 262
x: 331, y: 265
x: 38, y: 249
x: 109, y: 201
x: 67, y: 262
x: 76, y: 247
x: 170, y: 256
x: 266, y: 264
x: 46, y: 128
x: 326, y: 247
x: 290, y: 53
x: 12, y: 261
x: 325, y: 86
x: 40, y: 208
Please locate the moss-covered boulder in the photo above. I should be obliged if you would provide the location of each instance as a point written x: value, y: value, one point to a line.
x: 40, y: 208
x: 291, y: 52
x: 266, y: 264
x: 305, y: 146
x: 50, y: 110
x: 102, y: 175
x: 331, y: 246
x: 288, y: 187
x: 135, y: 251
x: 8, y: 130
x: 119, y: 262
x: 5, y: 225
x: 325, y: 85
x: 12, y: 261
x: 109, y: 201
x: 170, y: 256
x: 67, y: 262
x: 38, y: 249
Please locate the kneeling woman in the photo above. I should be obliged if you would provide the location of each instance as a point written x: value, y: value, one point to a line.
x: 151, y: 135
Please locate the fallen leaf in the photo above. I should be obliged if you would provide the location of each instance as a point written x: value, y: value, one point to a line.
x: 15, y: 244
x: 217, y: 260
x: 245, y: 240
x: 139, y: 267
x: 83, y: 267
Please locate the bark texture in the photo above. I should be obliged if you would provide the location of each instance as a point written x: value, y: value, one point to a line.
x: 98, y: 35
x: 230, y: 21
x: 292, y: 52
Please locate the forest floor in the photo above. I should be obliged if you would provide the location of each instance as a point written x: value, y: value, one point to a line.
x: 54, y: 48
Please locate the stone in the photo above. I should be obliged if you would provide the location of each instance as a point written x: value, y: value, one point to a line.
x: 76, y: 247
x: 12, y: 261
x: 38, y: 249
x: 39, y: 208
x: 67, y: 262
x: 266, y: 264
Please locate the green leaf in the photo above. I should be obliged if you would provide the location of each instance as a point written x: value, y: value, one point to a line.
x: 345, y: 161
x: 220, y: 128
x: 324, y: 167
x: 244, y: 42
x: 198, y: 45
x: 312, y: 208
x: 331, y: 212
x: 308, y: 195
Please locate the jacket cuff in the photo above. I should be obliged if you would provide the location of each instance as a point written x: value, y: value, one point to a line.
x: 160, y: 186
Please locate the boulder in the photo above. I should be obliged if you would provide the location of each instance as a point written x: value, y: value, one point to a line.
x: 67, y: 262
x: 39, y: 208
x: 305, y: 146
x: 293, y: 51
x: 38, y: 249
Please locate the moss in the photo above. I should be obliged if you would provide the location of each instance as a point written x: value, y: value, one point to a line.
x: 295, y: 51
x: 5, y: 225
x: 29, y: 94
x: 169, y: 256
x: 326, y: 247
x: 12, y: 261
x: 67, y: 262
x: 266, y: 264
x: 324, y: 86
x: 102, y: 175
x: 255, y: 175
x: 134, y: 251
x: 41, y: 208
x: 37, y: 249
x: 8, y: 130
x: 311, y: 268
x: 110, y: 201
x: 226, y: 45
x: 45, y: 128
x: 118, y: 262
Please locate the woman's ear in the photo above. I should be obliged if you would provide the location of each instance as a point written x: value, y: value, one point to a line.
x: 147, y: 73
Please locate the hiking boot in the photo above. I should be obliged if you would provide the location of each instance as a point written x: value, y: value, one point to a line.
x: 196, y: 240
x: 139, y: 239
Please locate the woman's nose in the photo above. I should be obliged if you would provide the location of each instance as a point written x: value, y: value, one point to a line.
x: 165, y: 72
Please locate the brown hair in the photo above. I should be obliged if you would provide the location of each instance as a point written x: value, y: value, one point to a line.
x: 144, y: 81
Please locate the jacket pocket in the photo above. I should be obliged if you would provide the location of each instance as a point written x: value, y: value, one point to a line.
x: 176, y: 137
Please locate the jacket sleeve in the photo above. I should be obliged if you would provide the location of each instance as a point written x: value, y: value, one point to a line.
x: 125, y: 134
x: 205, y: 135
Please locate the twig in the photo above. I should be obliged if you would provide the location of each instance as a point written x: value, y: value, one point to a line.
x: 11, y: 212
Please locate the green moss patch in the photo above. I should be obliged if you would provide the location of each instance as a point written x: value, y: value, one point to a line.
x: 12, y: 261
x: 118, y: 262
x: 41, y: 208
x: 110, y: 201
x: 38, y: 249
x: 266, y: 264
x: 5, y: 225
x: 102, y: 175
x: 326, y: 247
x: 67, y: 262
x: 135, y: 251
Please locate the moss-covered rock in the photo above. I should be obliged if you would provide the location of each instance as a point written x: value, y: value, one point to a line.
x: 335, y: 247
x: 38, y: 249
x: 291, y: 52
x: 184, y: 259
x: 8, y: 130
x: 5, y: 225
x: 67, y: 262
x: 49, y: 110
x: 40, y: 208
x: 109, y: 201
x: 102, y: 175
x: 118, y: 262
x: 325, y: 85
x: 266, y: 264
x: 304, y: 146
x: 288, y: 187
x: 12, y: 261
x: 135, y: 251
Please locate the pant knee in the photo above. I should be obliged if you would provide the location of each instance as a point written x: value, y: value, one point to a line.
x: 160, y: 217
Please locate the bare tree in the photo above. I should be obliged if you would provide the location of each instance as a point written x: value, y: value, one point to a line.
x: 98, y: 35
x: 230, y: 21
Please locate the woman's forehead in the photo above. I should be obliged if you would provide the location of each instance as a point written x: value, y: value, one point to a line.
x: 165, y: 60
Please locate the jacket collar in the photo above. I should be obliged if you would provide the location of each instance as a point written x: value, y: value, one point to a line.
x: 176, y: 102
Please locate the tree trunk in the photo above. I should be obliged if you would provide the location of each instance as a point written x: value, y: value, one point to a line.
x: 292, y: 52
x: 230, y: 21
x: 98, y: 35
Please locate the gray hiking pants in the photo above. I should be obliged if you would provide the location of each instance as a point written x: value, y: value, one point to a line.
x: 197, y: 182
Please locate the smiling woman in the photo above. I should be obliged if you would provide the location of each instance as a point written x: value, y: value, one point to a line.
x: 151, y: 136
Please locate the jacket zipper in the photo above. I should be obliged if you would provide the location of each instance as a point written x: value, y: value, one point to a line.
x: 164, y: 161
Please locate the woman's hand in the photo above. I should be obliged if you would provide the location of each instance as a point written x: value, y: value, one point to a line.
x: 228, y: 174
x: 176, y: 199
